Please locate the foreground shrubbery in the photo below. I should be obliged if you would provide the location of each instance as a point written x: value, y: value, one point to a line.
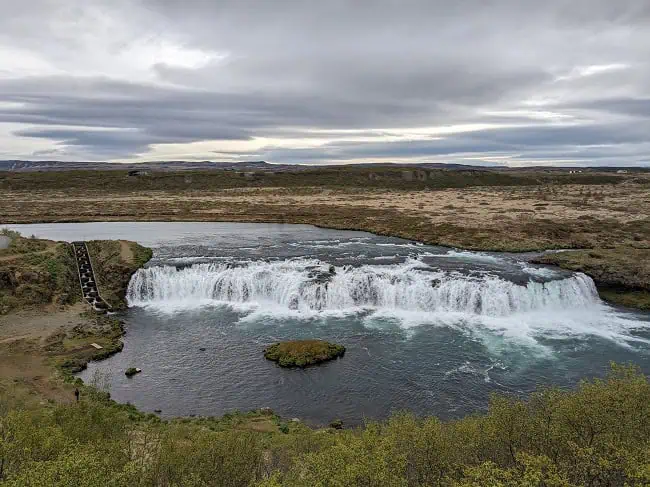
x: 598, y: 435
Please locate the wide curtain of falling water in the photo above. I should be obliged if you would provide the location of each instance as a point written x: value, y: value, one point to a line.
x: 313, y: 285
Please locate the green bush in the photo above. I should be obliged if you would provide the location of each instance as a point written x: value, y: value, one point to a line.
x: 598, y: 435
x: 12, y: 234
x: 7, y: 303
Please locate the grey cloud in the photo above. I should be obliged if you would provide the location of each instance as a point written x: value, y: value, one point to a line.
x: 104, y: 143
x: 108, y: 107
x: 286, y: 68
x: 582, y: 135
x: 638, y: 107
x: 614, y: 144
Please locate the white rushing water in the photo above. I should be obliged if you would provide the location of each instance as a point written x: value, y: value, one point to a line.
x: 310, y: 286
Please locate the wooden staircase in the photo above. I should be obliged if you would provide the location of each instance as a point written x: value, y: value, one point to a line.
x: 87, y: 280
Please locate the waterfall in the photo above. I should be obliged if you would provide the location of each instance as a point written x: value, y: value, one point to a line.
x: 310, y: 285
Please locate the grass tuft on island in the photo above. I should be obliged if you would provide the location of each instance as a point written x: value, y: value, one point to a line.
x: 301, y: 353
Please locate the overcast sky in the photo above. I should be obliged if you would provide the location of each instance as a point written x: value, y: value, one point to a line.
x: 513, y: 82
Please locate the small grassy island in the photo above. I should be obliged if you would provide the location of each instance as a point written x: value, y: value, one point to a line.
x: 301, y: 353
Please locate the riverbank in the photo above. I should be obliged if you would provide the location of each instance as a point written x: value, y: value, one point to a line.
x: 621, y: 274
x: 46, y: 332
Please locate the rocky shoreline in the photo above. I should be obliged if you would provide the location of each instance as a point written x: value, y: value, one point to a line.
x: 621, y: 275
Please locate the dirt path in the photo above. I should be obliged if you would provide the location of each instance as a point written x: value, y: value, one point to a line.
x: 22, y: 361
x: 23, y: 367
x: 38, y: 324
x: 126, y: 253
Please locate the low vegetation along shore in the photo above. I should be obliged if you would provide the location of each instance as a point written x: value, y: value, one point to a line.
x: 596, y: 435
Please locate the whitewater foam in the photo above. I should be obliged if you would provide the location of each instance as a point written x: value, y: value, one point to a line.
x: 404, y: 245
x: 406, y: 296
x: 542, y: 272
x: 308, y: 285
x: 466, y: 255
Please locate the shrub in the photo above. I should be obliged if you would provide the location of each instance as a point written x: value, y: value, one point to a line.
x: 12, y: 234
x: 337, y: 424
x: 597, y: 435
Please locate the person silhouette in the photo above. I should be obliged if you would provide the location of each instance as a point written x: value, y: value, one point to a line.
x: 76, y: 394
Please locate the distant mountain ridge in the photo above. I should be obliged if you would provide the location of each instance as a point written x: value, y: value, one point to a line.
x: 43, y: 166
x: 25, y: 166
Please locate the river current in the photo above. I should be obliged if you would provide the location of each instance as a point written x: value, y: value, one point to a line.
x: 428, y: 329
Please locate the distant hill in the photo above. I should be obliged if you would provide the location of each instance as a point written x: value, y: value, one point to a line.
x: 263, y: 166
x: 25, y: 166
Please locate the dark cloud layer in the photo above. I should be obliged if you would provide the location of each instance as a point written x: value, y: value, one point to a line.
x: 306, y: 81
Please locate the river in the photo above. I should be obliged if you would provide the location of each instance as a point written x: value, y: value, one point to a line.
x: 427, y: 329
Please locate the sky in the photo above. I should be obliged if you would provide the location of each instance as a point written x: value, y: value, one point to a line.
x: 485, y: 82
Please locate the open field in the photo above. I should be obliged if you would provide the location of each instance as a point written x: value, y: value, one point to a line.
x: 490, y: 211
